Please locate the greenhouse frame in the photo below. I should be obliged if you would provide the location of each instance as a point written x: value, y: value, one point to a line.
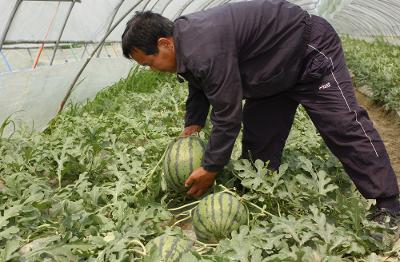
x: 91, y: 147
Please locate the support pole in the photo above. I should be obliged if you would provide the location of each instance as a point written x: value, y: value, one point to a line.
x: 9, y: 22
x: 166, y: 6
x: 6, y: 61
x: 112, y: 20
x: 67, y: 95
x: 62, y: 31
x: 84, y: 50
x: 182, y: 9
x: 155, y: 3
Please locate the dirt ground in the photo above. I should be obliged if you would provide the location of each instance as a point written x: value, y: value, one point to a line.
x: 388, y: 126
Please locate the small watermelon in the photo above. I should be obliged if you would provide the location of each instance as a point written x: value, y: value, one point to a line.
x: 217, y: 215
x: 170, y: 248
x: 182, y: 157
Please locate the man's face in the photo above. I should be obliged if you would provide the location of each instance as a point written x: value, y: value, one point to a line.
x: 163, y: 61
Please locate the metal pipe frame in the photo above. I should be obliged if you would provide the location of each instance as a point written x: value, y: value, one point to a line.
x: 84, y: 50
x: 6, y: 61
x: 9, y: 22
x: 62, y: 31
x: 166, y: 6
x: 111, y: 22
x: 67, y: 95
x: 53, y: 42
x: 53, y: 1
x: 154, y: 5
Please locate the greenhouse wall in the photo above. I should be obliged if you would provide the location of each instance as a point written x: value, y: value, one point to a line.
x: 34, y: 97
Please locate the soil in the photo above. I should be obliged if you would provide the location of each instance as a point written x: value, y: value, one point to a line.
x: 388, y: 126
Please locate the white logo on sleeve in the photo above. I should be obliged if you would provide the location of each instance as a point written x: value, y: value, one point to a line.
x: 325, y: 86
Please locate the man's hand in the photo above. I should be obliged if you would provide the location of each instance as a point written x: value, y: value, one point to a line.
x: 199, y: 181
x: 189, y: 130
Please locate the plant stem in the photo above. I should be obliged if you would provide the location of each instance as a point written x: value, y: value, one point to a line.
x: 182, y: 207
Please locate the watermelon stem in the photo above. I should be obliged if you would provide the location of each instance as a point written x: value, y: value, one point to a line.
x: 181, y: 220
x: 204, y: 245
x: 183, y: 207
x: 150, y: 175
x: 203, y: 250
x: 263, y: 211
x: 279, y: 210
x: 135, y: 241
x: 248, y: 215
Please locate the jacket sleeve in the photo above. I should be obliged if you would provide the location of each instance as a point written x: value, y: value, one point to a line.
x: 197, y: 107
x: 223, y: 88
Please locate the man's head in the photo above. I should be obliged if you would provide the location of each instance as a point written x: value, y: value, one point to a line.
x: 148, y: 40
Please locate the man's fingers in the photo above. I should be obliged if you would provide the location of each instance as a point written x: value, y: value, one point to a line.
x: 189, y: 182
x: 199, y: 193
x: 193, y: 191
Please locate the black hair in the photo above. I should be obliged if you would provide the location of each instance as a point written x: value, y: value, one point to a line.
x: 143, y: 31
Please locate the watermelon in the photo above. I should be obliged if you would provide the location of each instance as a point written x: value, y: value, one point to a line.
x: 182, y: 157
x: 217, y: 215
x: 170, y: 248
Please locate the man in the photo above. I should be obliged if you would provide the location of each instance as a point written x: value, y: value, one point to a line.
x: 276, y: 56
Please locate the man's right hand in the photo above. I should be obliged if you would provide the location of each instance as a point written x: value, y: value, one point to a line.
x: 189, y: 130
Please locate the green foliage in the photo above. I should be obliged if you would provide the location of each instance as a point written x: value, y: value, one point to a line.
x: 90, y: 188
x: 376, y: 65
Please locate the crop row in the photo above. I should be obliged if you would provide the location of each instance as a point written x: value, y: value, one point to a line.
x: 377, y: 66
x: 91, y: 188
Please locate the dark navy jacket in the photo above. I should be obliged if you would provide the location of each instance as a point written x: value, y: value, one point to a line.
x: 237, y: 51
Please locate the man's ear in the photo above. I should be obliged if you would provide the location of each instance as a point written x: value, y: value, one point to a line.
x: 165, y: 43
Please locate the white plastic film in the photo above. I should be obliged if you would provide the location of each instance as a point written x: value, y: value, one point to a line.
x: 34, y: 96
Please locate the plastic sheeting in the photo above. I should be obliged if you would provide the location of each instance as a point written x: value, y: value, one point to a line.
x: 33, y: 97
x: 90, y: 19
x: 363, y: 18
x: 14, y: 60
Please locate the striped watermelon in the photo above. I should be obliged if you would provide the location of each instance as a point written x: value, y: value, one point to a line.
x: 181, y: 159
x: 216, y: 216
x: 170, y: 248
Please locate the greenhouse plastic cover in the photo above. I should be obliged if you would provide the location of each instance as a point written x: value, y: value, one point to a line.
x: 34, y: 95
x: 90, y: 19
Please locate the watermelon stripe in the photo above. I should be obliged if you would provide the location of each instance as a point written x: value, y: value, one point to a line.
x: 200, y: 225
x: 168, y: 164
x: 161, y: 245
x: 171, y: 162
x: 207, y: 213
x: 236, y: 217
x: 167, y: 160
x: 228, y: 220
x: 191, y: 154
x: 168, y: 176
x: 213, y: 213
x: 198, y: 216
x: 185, y: 249
x: 172, y: 249
x: 222, y: 212
x: 200, y: 234
x: 177, y: 161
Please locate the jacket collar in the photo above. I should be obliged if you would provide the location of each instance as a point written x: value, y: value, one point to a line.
x: 180, y: 65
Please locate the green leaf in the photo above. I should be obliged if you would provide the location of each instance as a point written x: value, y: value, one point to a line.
x: 9, y: 232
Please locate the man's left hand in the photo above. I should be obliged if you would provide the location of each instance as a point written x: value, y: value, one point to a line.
x: 199, y: 181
